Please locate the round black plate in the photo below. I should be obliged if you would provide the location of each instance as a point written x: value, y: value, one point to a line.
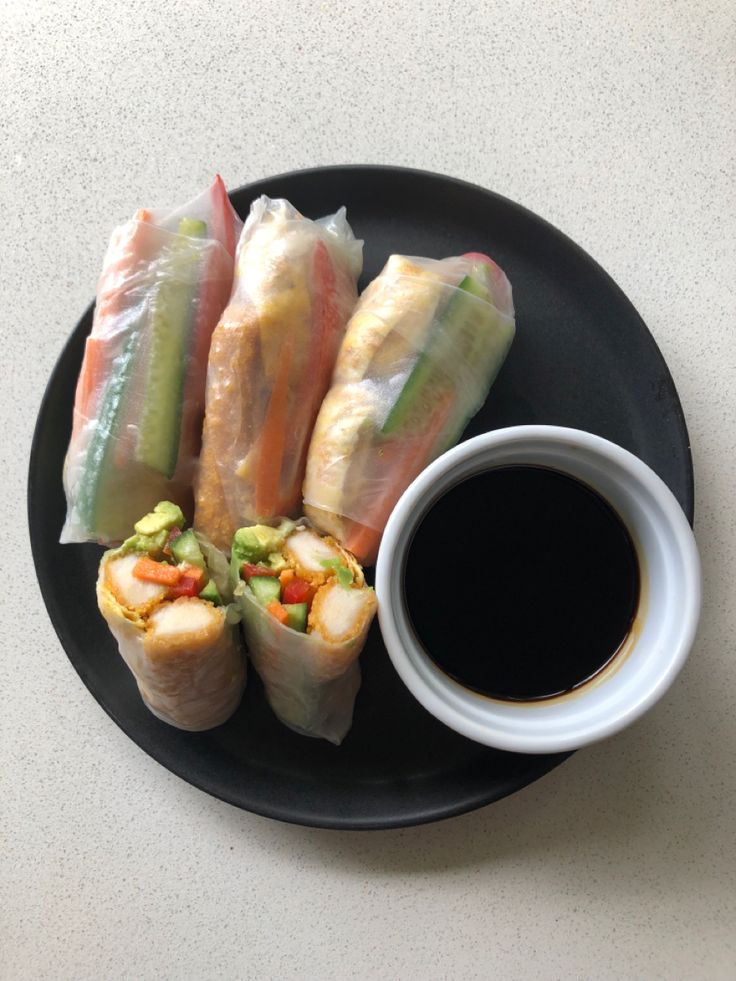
x: 582, y: 357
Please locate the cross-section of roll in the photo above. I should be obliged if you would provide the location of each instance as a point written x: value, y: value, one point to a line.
x: 139, y: 402
x: 418, y: 358
x: 306, y: 612
x: 165, y: 596
x: 270, y: 364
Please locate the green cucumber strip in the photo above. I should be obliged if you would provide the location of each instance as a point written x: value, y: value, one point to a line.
x: 458, y: 323
x: 297, y: 614
x: 186, y: 548
x: 266, y: 589
x: 210, y: 592
x: 159, y: 427
x: 91, y: 496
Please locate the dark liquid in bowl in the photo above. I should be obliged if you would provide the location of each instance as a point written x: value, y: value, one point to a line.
x: 522, y: 583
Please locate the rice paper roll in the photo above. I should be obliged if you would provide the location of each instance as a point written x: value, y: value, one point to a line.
x: 419, y: 355
x: 139, y: 403
x: 168, y: 607
x: 306, y: 612
x: 270, y: 364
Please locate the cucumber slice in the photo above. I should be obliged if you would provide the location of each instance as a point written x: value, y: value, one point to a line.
x: 297, y: 613
x: 186, y: 548
x: 210, y: 592
x: 266, y: 589
x: 97, y: 466
x: 457, y: 332
x: 159, y: 427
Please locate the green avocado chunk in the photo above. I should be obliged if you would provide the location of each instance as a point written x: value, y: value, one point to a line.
x: 266, y: 589
x: 258, y: 543
x: 297, y: 614
x: 462, y: 318
x: 164, y: 517
x: 186, y: 548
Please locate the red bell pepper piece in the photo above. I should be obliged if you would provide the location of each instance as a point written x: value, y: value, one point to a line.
x: 171, y: 537
x: 187, y: 586
x: 297, y: 590
x: 249, y: 570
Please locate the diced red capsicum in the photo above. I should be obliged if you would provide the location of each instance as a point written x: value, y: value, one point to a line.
x: 297, y: 590
x: 171, y: 537
x: 187, y: 586
x: 249, y: 570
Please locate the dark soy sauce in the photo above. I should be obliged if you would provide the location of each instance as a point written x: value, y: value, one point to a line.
x: 521, y: 582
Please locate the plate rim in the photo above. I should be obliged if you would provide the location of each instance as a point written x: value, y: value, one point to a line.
x: 293, y: 815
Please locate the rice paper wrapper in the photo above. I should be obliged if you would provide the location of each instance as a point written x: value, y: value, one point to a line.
x: 191, y: 688
x: 271, y: 362
x: 310, y: 683
x: 418, y: 358
x: 139, y: 402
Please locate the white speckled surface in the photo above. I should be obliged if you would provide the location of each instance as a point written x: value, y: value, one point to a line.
x: 616, y: 123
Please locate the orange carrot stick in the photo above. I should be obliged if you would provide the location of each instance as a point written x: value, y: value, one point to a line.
x: 362, y: 541
x: 223, y: 228
x: 273, y: 438
x: 402, y: 460
x: 276, y: 609
x: 95, y: 364
x: 159, y: 572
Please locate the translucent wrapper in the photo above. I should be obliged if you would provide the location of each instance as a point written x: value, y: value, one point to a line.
x: 310, y: 682
x: 139, y: 402
x: 193, y: 679
x: 418, y: 358
x: 270, y: 364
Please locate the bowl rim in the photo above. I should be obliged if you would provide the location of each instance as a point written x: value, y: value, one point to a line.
x: 459, y: 463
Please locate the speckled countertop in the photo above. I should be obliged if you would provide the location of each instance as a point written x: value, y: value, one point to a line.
x: 616, y: 123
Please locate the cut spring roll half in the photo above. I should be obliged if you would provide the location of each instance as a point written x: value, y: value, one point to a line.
x: 140, y: 395
x: 165, y: 595
x: 418, y: 358
x: 306, y: 613
x: 270, y: 364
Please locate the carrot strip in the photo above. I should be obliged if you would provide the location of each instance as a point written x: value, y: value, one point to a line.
x: 159, y: 572
x: 130, y: 250
x: 402, y: 460
x: 89, y: 383
x: 223, y: 228
x: 276, y: 609
x: 362, y: 541
x: 95, y: 367
x: 273, y: 438
x: 193, y: 572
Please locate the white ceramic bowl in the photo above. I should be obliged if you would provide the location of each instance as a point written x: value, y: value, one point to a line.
x: 663, y: 630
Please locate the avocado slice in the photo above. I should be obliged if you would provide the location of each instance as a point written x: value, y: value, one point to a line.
x: 186, y: 548
x: 164, y: 517
x: 152, y: 530
x: 297, y: 614
x: 459, y: 325
x: 266, y: 589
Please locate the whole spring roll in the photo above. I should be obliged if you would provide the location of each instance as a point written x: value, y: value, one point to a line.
x: 139, y: 402
x: 164, y: 594
x: 270, y: 364
x: 306, y: 612
x: 418, y: 358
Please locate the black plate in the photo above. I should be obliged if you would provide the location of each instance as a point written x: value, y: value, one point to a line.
x: 582, y: 357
